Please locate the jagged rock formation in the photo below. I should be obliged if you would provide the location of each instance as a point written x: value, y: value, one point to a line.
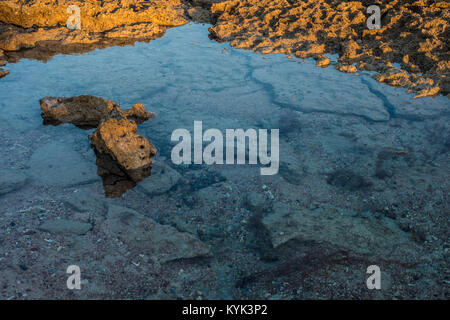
x: 413, y: 33
x: 40, y: 25
x: 97, y: 15
x: 88, y: 111
x: 123, y: 156
x: 118, y: 139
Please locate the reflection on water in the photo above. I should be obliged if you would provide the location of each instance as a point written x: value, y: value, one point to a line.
x: 363, y: 171
x: 116, y: 179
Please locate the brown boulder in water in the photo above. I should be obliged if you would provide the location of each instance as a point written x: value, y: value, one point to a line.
x: 118, y: 139
x: 123, y: 156
x: 87, y: 111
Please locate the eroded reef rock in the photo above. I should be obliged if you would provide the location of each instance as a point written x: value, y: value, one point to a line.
x: 123, y: 156
x: 38, y: 26
x: 98, y: 15
x: 118, y: 138
x: 413, y: 34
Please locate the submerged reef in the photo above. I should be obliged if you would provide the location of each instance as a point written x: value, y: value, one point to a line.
x: 123, y: 156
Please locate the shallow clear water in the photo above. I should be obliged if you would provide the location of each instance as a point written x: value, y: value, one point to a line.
x: 346, y: 141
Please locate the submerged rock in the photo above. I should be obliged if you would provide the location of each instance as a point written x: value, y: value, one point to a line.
x: 87, y: 111
x: 256, y: 202
x: 162, y: 242
x: 11, y: 180
x: 85, y: 201
x: 347, y: 179
x: 58, y: 165
x: 335, y: 227
x: 163, y: 179
x: 65, y: 227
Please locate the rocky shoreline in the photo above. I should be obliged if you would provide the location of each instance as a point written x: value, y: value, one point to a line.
x: 413, y: 35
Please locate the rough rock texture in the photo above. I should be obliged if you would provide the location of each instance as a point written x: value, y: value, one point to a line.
x: 44, y: 43
x: 41, y: 25
x: 96, y: 15
x: 413, y: 33
x: 163, y: 243
x: 87, y: 111
x: 118, y: 138
x: 362, y: 235
x: 123, y: 156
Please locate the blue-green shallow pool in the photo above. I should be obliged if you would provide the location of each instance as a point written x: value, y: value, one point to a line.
x: 363, y: 173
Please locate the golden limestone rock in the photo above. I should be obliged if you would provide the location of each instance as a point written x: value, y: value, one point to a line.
x: 413, y: 34
x: 42, y: 25
x: 96, y: 15
x: 118, y: 138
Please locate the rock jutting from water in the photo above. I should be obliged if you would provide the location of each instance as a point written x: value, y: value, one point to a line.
x: 118, y: 139
x: 123, y: 156
x: 41, y: 25
x: 87, y: 111
x: 413, y: 34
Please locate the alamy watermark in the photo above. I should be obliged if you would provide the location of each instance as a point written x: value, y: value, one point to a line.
x: 374, y: 281
x: 74, y: 280
x: 74, y: 21
x: 235, y: 139
x: 374, y: 21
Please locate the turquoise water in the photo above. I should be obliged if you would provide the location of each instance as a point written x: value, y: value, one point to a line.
x: 365, y: 149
